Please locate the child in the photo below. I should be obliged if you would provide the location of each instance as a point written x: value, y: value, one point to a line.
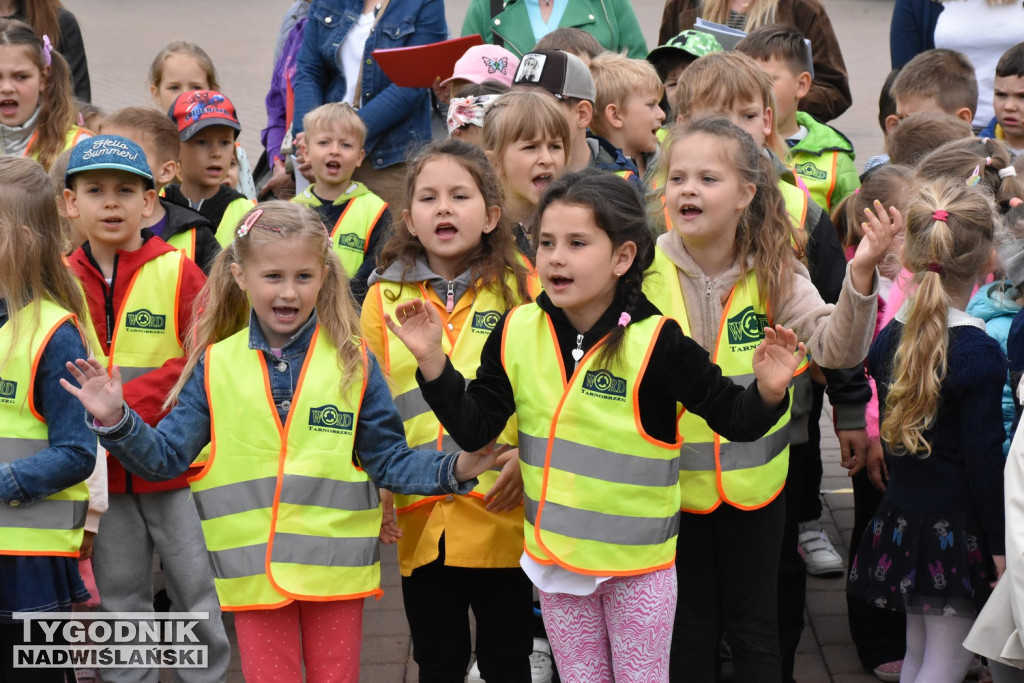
x: 921, y: 133
x: 981, y: 161
x: 818, y: 153
x: 181, y: 67
x: 207, y: 128
x: 886, y: 108
x: 479, y: 64
x: 1008, y: 123
x: 568, y: 78
x: 729, y: 258
x: 457, y: 253
x: 47, y: 452
x: 671, y: 59
x: 140, y: 293
x: 938, y: 80
x: 302, y: 430
x: 466, y: 113
x: 594, y: 381
x: 179, y: 226
x: 930, y: 549
x: 527, y: 141
x: 358, y: 221
x: 572, y: 40
x: 627, y: 112
x: 38, y: 117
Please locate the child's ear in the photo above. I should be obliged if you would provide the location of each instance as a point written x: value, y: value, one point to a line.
x: 769, y: 121
x: 965, y: 114
x: 71, y: 204
x: 494, y: 160
x: 891, y: 121
x: 362, y: 155
x: 407, y: 219
x: 803, y: 85
x: 622, y: 259
x: 747, y: 192
x: 493, y: 216
x: 154, y: 93
x: 612, y: 115
x: 236, y: 272
x: 149, y: 202
x: 584, y: 114
x: 165, y: 172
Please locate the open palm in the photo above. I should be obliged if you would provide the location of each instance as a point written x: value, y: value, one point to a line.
x: 98, y: 392
x: 776, y: 358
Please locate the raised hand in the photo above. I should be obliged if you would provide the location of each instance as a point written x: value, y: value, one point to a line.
x: 98, y: 392
x: 880, y: 227
x: 775, y: 360
x: 418, y: 325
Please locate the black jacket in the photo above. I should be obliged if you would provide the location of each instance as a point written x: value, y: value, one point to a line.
x: 182, y: 219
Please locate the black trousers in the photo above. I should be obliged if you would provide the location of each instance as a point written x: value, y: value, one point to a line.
x: 11, y: 635
x: 437, y: 603
x: 880, y: 635
x: 727, y: 564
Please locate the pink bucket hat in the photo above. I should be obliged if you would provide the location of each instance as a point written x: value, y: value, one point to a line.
x: 485, y: 63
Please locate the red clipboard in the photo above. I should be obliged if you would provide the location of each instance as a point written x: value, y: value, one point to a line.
x: 420, y: 66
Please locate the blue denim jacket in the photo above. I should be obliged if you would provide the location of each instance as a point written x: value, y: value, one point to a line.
x: 165, y: 452
x: 71, y: 455
x: 395, y: 117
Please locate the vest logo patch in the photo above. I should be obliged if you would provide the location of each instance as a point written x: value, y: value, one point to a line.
x: 809, y: 170
x: 8, y: 390
x: 327, y: 418
x: 352, y: 241
x: 486, y: 321
x: 603, y: 384
x: 145, y: 321
x: 746, y: 329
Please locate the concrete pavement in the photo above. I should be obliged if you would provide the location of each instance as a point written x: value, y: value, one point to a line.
x: 123, y: 36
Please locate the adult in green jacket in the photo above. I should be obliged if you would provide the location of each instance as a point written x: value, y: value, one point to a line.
x: 612, y: 22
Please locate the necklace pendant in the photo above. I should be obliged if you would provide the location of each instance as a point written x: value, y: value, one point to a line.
x: 577, y: 354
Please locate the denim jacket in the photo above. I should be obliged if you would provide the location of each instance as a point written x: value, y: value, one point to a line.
x: 71, y: 455
x: 395, y: 117
x: 166, y: 451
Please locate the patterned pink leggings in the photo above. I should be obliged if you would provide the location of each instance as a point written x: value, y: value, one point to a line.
x: 621, y: 632
x: 274, y: 643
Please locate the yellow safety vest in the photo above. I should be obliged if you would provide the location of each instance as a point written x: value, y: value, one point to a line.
x: 53, y: 525
x: 286, y: 512
x: 422, y: 429
x: 146, y: 333
x: 590, y: 509
x: 231, y: 219
x: 74, y: 135
x: 712, y: 469
x: 796, y: 204
x: 351, y: 233
x: 185, y: 241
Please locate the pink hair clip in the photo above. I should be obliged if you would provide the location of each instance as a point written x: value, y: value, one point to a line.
x: 47, y: 50
x: 624, y: 319
x: 249, y: 221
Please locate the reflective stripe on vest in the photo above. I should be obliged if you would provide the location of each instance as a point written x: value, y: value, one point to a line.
x: 711, y: 468
x: 422, y: 429
x: 351, y: 234
x: 589, y: 509
x: 186, y: 241
x: 146, y: 332
x: 53, y: 525
x: 231, y: 219
x: 285, y: 512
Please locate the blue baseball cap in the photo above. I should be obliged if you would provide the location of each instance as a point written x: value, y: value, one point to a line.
x: 108, y: 152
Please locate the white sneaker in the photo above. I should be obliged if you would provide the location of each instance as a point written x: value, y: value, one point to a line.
x: 541, y: 664
x: 819, y: 555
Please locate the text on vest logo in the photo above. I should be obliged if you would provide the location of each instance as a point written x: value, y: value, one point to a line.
x: 603, y: 384
x: 145, y: 321
x: 352, y: 241
x: 486, y: 321
x: 746, y: 329
x: 327, y: 418
x: 8, y: 390
x: 809, y: 170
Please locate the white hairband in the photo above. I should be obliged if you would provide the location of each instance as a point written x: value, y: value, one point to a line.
x: 1008, y: 172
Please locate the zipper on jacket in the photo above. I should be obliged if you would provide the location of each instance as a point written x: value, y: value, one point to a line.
x: 709, y: 314
x: 577, y: 353
x: 450, y: 303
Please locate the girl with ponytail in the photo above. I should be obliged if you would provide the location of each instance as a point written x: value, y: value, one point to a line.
x: 594, y: 374
x: 936, y: 542
x: 37, y: 114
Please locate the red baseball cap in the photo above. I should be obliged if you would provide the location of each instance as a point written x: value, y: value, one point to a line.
x: 198, y: 109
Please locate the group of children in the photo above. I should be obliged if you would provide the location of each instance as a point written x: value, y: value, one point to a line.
x: 585, y: 358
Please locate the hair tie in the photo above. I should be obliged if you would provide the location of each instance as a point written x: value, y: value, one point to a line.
x: 1015, y: 202
x: 624, y: 319
x: 975, y: 176
x: 940, y: 215
x: 984, y: 141
x: 1008, y: 172
x: 47, y: 49
x: 934, y: 268
x: 249, y: 221
x: 988, y: 161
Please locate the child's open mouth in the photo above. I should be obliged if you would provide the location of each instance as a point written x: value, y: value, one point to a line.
x: 690, y: 211
x: 333, y: 166
x: 446, y: 231
x: 8, y: 107
x: 560, y: 282
x: 215, y: 170
x: 286, y: 314
x: 112, y: 223
x: 542, y: 181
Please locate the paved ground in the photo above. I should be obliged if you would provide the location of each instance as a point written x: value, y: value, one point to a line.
x: 121, y: 38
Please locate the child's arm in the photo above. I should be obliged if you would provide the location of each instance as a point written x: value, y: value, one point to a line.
x: 70, y: 455
x: 156, y: 454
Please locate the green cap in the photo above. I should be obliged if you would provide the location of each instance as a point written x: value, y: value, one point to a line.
x: 693, y: 43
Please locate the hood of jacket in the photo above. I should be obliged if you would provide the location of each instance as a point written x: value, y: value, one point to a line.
x: 420, y: 272
x: 821, y: 137
x: 994, y: 300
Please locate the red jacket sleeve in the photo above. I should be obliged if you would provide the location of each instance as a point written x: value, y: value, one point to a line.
x: 146, y: 395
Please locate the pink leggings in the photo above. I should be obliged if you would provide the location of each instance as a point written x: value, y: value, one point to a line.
x: 326, y: 635
x: 621, y: 632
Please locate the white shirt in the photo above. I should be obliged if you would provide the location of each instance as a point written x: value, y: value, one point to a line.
x: 351, y: 53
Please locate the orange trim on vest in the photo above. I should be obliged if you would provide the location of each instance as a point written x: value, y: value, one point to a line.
x: 213, y: 433
x: 35, y: 366
x: 678, y: 443
x: 832, y: 184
